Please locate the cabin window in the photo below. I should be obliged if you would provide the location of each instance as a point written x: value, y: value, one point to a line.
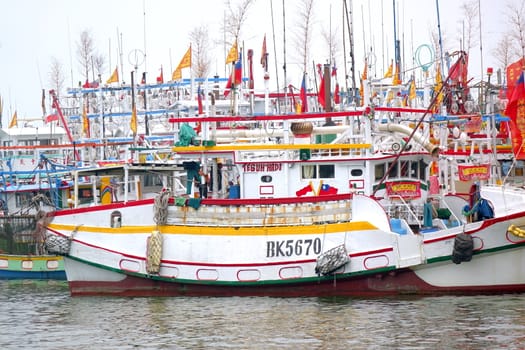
x: 327, y: 171
x: 324, y: 171
x: 85, y: 195
x: 266, y: 178
x: 116, y: 219
x: 393, y: 170
x: 414, y: 170
x: 308, y: 171
x: 379, y: 171
x: 356, y: 172
x: 405, y: 166
x: 422, y: 168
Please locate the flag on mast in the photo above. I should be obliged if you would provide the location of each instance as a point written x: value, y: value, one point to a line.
x: 185, y: 62
x: 233, y: 54
x: 114, y: 77
x: 14, y: 121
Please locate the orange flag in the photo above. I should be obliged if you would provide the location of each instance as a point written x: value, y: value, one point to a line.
x: 185, y: 62
x: 14, y: 121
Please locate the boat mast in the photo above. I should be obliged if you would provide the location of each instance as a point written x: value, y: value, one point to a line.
x: 284, y: 56
x: 350, y: 28
x: 439, y: 36
x: 275, y: 57
x: 397, y: 47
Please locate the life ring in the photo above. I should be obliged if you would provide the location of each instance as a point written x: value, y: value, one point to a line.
x: 396, y: 147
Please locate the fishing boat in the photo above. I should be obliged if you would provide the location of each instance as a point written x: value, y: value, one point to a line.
x: 366, y: 202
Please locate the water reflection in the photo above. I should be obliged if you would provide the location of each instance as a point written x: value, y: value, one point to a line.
x: 44, y: 316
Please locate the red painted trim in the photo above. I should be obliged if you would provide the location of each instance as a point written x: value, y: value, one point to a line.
x: 117, y: 205
x: 377, y: 251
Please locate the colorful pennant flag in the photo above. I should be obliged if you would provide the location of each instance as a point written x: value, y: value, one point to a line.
x: 303, y: 94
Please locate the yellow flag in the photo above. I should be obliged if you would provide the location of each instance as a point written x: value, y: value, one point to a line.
x: 114, y: 77
x: 437, y: 88
x: 133, y: 122
x: 233, y: 54
x: 412, y: 91
x: 364, y: 76
x: 185, y: 62
x: 177, y: 74
x: 14, y: 121
x: 388, y: 73
x: 396, y: 80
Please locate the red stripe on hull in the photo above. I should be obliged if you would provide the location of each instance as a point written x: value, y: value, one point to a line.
x: 400, y: 282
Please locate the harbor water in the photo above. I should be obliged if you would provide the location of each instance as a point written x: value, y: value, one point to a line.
x: 42, y: 315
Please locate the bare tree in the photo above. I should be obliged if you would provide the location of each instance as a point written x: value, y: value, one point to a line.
x: 98, y: 64
x: 303, y: 31
x: 56, y: 76
x: 470, y: 24
x: 235, y: 18
x: 505, y: 53
x: 332, y: 40
x: 88, y: 57
x: 200, y: 50
x: 516, y: 18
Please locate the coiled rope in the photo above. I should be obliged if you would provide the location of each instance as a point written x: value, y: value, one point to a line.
x: 516, y: 231
x: 161, y: 208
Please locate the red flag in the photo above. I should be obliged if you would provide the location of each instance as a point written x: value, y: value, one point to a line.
x: 160, y: 78
x: 228, y: 86
x: 320, y: 93
x: 51, y: 118
x: 304, y: 100
x: 334, y: 70
x: 458, y: 72
x: 516, y: 112
x: 337, y: 98
x: 513, y: 73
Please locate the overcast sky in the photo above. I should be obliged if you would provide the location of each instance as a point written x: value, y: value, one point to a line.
x: 32, y: 32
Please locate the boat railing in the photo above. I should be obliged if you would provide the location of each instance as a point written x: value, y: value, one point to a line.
x: 401, y: 209
x: 297, y: 152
